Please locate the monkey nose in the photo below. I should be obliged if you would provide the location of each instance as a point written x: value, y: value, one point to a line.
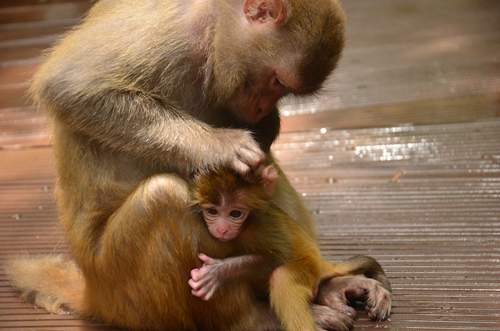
x: 221, y: 231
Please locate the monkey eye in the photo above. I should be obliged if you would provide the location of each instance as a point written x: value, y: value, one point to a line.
x: 211, y: 211
x: 236, y: 213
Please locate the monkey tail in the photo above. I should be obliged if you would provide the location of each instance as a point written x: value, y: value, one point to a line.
x: 50, y: 281
x: 358, y: 265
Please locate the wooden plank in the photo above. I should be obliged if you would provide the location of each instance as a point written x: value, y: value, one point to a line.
x: 42, y: 12
x: 23, y: 3
x: 416, y: 95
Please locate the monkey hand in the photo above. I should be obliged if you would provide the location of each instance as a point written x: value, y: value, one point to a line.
x: 207, y: 279
x: 336, y: 292
x: 327, y: 318
x: 241, y: 152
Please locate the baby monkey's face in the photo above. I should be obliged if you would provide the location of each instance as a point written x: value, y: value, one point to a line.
x: 224, y: 222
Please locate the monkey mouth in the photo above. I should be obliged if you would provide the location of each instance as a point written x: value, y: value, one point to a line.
x: 225, y: 237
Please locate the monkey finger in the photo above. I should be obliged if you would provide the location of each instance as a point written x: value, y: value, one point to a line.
x: 198, y: 293
x: 253, y: 158
x: 198, y: 281
x: 209, y: 294
x: 243, y: 153
x: 193, y: 284
x: 371, y: 295
x: 256, y: 163
x: 206, y: 259
x: 251, y: 152
x: 242, y: 169
x: 194, y: 274
x: 334, y: 293
x: 200, y: 287
x: 203, y: 276
x: 330, y: 319
x: 202, y: 290
x: 340, y: 304
x: 337, y: 301
x: 379, y: 303
x: 377, y: 298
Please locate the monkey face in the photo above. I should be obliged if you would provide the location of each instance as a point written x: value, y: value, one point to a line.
x: 224, y: 222
x: 258, y: 95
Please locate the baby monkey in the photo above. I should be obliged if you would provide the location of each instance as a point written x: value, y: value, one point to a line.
x: 265, y: 245
x: 240, y: 214
x: 250, y: 237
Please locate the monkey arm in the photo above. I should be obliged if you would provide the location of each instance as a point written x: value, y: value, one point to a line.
x: 154, y: 131
x: 214, y: 272
x: 132, y: 95
x: 293, y: 285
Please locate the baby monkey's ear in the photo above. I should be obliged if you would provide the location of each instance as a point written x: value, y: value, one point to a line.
x: 268, y: 179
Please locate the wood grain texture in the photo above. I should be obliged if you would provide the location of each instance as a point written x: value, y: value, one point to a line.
x: 399, y: 158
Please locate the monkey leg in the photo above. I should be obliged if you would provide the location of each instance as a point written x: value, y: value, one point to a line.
x: 133, y: 277
x: 291, y: 292
x: 138, y: 275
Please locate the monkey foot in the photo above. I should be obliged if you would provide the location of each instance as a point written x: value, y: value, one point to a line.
x: 336, y: 293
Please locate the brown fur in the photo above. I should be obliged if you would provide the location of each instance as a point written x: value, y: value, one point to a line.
x: 142, y: 91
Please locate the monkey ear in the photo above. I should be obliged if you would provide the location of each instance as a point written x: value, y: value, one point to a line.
x: 264, y: 11
x: 269, y: 178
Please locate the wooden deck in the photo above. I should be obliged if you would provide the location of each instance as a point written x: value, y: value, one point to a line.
x: 398, y: 159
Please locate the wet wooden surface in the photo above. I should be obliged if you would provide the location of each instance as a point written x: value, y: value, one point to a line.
x: 398, y: 158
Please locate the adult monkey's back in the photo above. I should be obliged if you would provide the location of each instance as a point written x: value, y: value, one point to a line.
x: 144, y: 90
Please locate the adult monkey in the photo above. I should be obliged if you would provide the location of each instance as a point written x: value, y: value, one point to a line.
x: 142, y: 90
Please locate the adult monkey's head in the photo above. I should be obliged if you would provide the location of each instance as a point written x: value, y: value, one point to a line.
x: 270, y: 48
